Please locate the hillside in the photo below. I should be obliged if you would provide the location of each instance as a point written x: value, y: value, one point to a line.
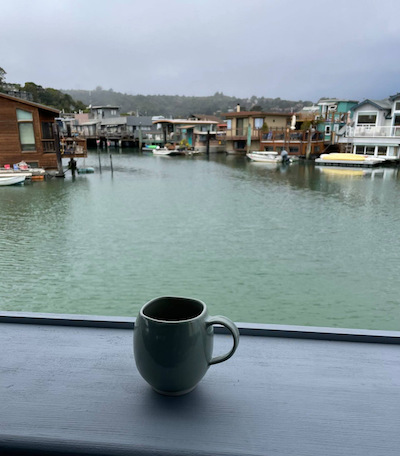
x: 181, y: 106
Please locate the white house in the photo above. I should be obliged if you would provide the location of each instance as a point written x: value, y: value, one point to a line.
x: 375, y: 129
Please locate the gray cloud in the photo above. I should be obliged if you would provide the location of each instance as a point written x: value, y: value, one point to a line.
x: 271, y: 48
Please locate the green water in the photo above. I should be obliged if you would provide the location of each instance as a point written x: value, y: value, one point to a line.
x: 293, y: 245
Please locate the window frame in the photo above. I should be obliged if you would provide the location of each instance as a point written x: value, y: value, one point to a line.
x: 258, y: 123
x: 367, y: 113
x: 26, y: 122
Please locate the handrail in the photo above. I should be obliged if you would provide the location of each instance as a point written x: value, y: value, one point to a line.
x: 373, y: 131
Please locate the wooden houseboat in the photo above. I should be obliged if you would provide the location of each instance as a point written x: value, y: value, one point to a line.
x: 249, y: 131
x: 27, y: 133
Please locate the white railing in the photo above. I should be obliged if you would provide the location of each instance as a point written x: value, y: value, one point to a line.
x: 372, y: 131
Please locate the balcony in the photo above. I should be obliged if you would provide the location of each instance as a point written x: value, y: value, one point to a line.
x: 373, y: 131
x: 73, y: 147
x: 49, y: 146
x: 292, y: 136
x: 241, y: 133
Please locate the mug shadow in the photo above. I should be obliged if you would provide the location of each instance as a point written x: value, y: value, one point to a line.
x: 191, y: 407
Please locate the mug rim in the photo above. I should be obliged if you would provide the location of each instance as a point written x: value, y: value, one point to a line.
x: 158, y: 320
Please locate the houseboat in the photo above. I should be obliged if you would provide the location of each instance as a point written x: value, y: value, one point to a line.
x: 374, y: 130
x: 27, y: 133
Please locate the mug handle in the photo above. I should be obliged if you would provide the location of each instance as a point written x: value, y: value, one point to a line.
x: 220, y: 320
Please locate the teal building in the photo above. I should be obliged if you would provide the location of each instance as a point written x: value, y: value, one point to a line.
x: 334, y: 114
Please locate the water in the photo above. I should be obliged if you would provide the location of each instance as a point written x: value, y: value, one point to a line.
x: 298, y: 245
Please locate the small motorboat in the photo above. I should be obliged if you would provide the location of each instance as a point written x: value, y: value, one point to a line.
x: 13, y: 180
x: 166, y: 151
x: 265, y: 156
x: 87, y: 170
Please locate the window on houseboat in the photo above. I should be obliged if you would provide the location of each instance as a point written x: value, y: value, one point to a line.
x: 25, y: 128
x: 47, y: 130
x: 397, y: 106
x: 360, y: 150
x: 239, y: 127
x: 258, y: 123
x: 370, y: 150
x: 382, y: 150
x: 328, y: 130
x: 366, y: 119
x: 229, y: 124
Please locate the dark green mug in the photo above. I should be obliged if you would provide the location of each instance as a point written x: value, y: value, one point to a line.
x: 173, y: 343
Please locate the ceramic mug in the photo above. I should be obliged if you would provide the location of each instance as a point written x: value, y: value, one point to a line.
x: 173, y: 343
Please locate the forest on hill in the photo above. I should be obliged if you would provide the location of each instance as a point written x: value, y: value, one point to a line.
x: 182, y: 106
x: 147, y: 105
x: 47, y: 96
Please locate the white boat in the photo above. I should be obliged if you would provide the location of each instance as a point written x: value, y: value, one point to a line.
x: 165, y: 151
x: 265, y: 156
x: 13, y: 180
x: 346, y: 159
x: 12, y: 173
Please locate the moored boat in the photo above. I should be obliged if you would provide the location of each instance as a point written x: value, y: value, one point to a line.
x: 12, y: 173
x: 166, y: 151
x: 13, y: 180
x: 346, y: 159
x: 87, y: 170
x: 265, y: 156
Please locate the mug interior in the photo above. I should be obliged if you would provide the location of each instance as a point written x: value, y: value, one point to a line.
x: 173, y: 309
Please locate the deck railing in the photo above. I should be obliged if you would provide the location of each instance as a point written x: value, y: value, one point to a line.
x: 242, y: 133
x: 49, y: 146
x: 292, y: 136
x: 73, y: 147
x: 373, y: 131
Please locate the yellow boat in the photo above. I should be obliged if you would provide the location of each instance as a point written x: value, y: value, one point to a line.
x: 337, y: 158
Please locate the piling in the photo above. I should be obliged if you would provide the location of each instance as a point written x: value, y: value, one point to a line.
x: 99, y: 161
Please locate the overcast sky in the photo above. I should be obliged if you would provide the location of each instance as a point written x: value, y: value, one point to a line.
x: 292, y: 49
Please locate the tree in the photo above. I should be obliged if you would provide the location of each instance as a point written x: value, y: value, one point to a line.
x: 2, y: 77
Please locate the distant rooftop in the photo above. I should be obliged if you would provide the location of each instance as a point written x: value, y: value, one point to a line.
x: 386, y: 103
x: 255, y: 114
x: 335, y: 100
x: 105, y: 107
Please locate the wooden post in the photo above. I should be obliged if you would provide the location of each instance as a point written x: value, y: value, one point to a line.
x: 208, y: 143
x: 140, y: 136
x: 308, y: 150
x: 99, y: 161
x: 111, y: 163
x: 248, y: 136
x: 58, y: 151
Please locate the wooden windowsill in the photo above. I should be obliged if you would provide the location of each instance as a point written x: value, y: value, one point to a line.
x: 69, y: 385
